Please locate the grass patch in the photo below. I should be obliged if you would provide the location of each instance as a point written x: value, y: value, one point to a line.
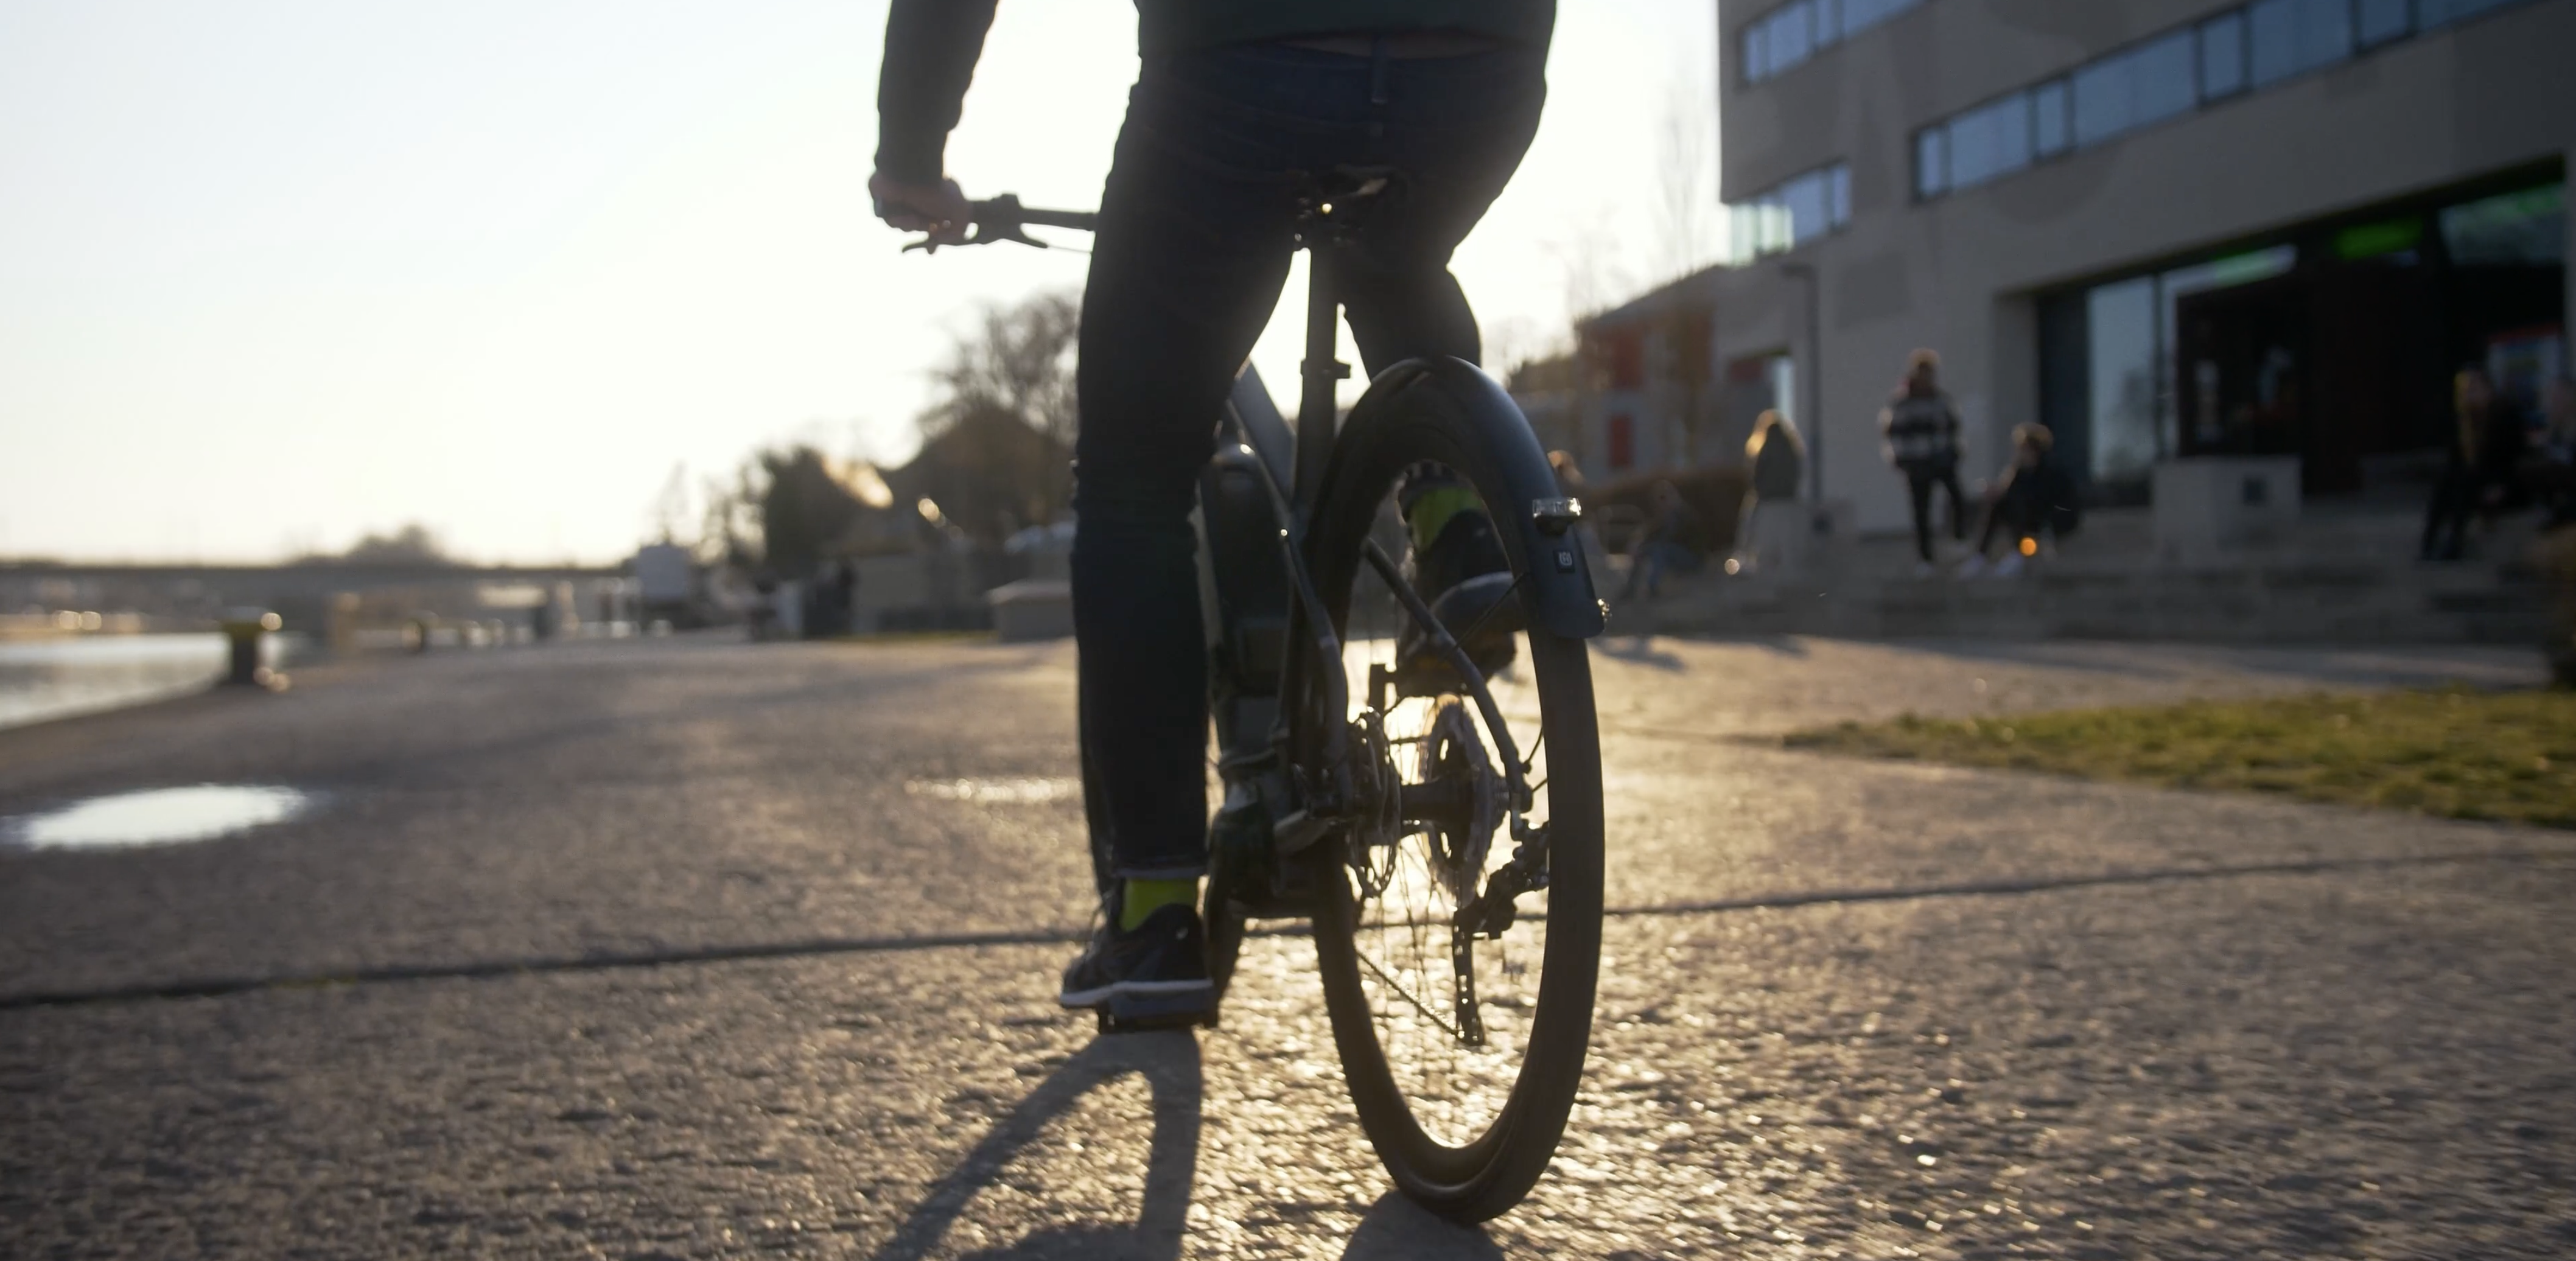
x: 2456, y: 753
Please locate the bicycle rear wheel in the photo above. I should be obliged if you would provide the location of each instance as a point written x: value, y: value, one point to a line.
x: 1462, y: 1052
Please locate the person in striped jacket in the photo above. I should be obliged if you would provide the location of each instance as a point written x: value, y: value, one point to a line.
x: 1919, y: 431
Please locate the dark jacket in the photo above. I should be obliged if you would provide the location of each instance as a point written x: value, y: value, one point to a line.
x: 2041, y: 495
x: 1776, y: 470
x: 2503, y: 439
x: 932, y: 46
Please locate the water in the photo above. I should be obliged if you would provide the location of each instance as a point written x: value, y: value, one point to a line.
x: 56, y: 678
x: 158, y: 816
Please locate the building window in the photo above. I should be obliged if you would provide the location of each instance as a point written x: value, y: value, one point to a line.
x: 2379, y: 21
x: 2107, y: 361
x: 2222, y: 56
x: 2134, y: 88
x: 2166, y: 76
x: 2120, y: 320
x: 1790, y: 214
x: 2102, y: 108
x: 1623, y: 443
x: 2524, y: 229
x: 1931, y: 162
x: 1627, y: 355
x: 2294, y: 36
x: 1829, y: 23
x: 1990, y: 141
x: 2433, y: 13
x: 1786, y: 37
x: 1792, y: 35
x: 2051, y: 130
x: 1809, y: 199
x: 1860, y: 15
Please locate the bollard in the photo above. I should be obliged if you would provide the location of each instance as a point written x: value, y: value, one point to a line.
x: 244, y: 629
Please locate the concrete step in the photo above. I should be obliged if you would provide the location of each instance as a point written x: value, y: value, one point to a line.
x: 2307, y: 602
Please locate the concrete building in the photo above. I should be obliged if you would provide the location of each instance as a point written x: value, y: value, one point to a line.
x: 2169, y: 229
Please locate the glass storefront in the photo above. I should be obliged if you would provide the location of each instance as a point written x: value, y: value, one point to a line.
x: 2334, y: 343
x: 2129, y: 418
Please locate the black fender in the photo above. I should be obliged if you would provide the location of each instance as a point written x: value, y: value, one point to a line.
x: 1535, y: 520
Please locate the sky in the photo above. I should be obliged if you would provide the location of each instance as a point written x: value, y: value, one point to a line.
x: 277, y: 274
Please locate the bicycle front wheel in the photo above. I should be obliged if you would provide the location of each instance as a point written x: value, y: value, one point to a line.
x: 1462, y: 1048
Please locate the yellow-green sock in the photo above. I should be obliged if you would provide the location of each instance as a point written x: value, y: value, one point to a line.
x: 1433, y: 509
x: 1144, y: 897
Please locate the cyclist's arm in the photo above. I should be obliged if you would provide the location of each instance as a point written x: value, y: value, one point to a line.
x: 930, y: 53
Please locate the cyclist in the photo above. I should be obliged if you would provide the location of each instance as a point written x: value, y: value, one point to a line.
x: 1240, y: 104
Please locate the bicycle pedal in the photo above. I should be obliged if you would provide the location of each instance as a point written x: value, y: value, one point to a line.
x: 1157, y: 1011
x: 1111, y: 1025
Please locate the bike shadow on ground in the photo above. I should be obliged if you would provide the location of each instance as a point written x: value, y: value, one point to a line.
x: 1397, y: 1229
x: 1169, y: 1063
x: 1637, y: 650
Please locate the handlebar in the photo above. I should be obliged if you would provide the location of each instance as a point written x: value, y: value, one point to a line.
x: 1002, y: 218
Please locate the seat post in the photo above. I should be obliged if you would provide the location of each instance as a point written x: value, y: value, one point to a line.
x: 1318, y: 375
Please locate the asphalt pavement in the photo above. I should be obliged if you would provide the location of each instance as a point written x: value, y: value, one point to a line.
x: 694, y: 948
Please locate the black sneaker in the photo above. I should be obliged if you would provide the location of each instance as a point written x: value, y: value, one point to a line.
x: 1157, y: 974
x: 1466, y: 566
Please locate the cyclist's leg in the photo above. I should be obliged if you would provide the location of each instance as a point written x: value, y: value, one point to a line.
x: 1190, y: 256
x: 1187, y: 264
x: 1454, y: 130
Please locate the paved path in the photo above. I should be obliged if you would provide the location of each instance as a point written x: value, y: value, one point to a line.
x: 692, y: 949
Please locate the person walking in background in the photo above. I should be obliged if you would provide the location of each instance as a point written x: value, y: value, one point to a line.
x: 2552, y: 471
x: 1920, y: 430
x: 1665, y: 546
x: 2479, y: 467
x: 2034, y: 495
x: 1769, y: 527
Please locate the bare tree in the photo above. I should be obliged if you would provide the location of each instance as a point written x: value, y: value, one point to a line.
x: 730, y: 533
x: 410, y: 545
x: 1019, y: 360
x: 1686, y: 212
x: 1588, y: 262
x: 671, y: 507
x: 1515, y: 340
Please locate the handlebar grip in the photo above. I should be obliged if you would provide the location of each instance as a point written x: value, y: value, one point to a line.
x: 1081, y: 220
x: 1006, y: 212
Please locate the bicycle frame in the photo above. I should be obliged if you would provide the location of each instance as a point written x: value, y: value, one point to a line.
x: 1290, y: 467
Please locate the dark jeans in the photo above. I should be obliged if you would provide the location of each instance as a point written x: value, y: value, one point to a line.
x: 1919, y: 482
x: 1193, y: 247
x: 2446, y: 520
x: 2017, y: 510
x: 1653, y: 559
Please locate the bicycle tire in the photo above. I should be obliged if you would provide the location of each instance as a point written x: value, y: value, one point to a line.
x: 1474, y: 1178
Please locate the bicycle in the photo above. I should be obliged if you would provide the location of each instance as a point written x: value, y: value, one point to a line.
x: 1366, y: 797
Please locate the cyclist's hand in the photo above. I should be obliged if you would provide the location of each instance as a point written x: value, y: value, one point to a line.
x: 938, y: 209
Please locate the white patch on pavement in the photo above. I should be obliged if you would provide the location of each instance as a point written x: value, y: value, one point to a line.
x: 1025, y: 790
x: 157, y: 816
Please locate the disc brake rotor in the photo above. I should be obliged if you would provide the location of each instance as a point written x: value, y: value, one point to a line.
x: 1378, y: 824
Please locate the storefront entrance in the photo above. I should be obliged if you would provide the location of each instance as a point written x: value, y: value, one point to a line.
x: 2335, y: 344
